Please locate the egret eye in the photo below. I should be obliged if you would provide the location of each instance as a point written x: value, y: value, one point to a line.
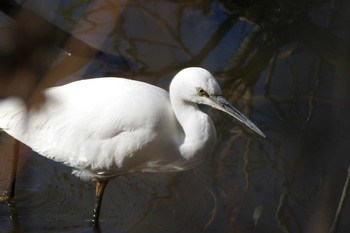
x: 202, y: 92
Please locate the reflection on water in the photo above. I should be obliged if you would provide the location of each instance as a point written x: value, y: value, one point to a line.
x: 295, y: 91
x: 47, y: 195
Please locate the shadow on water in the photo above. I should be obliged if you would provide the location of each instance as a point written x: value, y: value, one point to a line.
x: 283, y: 63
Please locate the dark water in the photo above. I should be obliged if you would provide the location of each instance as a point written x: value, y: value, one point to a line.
x: 293, y: 83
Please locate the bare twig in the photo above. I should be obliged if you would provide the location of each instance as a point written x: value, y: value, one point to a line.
x: 271, y: 70
x: 344, y: 195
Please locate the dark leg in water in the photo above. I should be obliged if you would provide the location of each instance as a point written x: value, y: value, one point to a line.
x: 100, y: 187
x: 13, y: 174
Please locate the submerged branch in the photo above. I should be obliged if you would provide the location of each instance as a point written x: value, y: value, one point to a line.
x: 344, y: 195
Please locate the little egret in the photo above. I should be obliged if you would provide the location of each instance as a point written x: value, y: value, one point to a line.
x: 106, y: 127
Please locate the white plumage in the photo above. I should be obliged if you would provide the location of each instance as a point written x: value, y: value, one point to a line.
x: 110, y: 126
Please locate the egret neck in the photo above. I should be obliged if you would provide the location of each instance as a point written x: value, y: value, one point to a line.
x: 199, y: 129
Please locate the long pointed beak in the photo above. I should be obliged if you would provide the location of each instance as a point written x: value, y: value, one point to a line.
x: 222, y: 104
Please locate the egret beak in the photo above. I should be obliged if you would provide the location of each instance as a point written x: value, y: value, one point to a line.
x: 222, y: 104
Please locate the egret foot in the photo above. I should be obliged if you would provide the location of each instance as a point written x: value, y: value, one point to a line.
x: 4, y: 197
x: 100, y: 187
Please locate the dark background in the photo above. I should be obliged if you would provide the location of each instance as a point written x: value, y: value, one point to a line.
x: 284, y: 63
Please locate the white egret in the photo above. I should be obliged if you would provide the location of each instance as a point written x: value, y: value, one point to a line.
x: 107, y: 127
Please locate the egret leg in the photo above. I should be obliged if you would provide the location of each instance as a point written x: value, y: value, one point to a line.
x: 13, y: 174
x: 100, y: 187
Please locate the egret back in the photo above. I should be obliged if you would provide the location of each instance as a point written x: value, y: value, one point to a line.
x: 105, y: 126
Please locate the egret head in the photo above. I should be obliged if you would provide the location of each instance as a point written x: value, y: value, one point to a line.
x: 198, y: 86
